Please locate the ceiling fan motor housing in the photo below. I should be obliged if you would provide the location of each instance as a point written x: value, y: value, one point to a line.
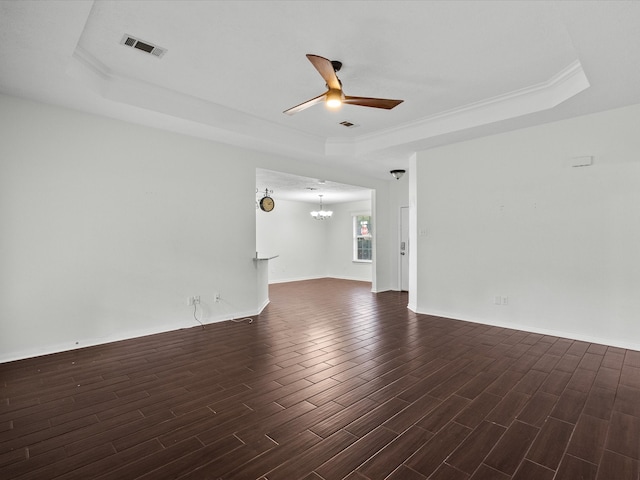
x: 334, y: 97
x: 335, y: 94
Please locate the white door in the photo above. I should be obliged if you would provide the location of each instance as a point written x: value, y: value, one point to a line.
x: 404, y: 249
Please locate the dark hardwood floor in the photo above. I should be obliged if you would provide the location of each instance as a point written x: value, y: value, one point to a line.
x: 329, y: 382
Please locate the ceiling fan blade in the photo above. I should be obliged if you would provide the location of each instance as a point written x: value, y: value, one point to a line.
x: 385, y: 103
x: 307, y: 104
x: 325, y: 68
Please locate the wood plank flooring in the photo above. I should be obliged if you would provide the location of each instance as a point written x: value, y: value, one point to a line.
x: 329, y: 382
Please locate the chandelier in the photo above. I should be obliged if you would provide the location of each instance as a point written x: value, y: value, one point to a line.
x: 322, y: 214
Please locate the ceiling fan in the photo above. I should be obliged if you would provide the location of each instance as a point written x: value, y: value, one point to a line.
x: 334, y: 97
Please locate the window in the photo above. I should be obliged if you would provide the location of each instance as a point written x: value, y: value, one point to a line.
x: 362, y: 240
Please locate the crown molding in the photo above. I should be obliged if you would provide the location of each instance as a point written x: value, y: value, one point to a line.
x: 230, y: 126
x: 565, y: 84
x: 220, y: 123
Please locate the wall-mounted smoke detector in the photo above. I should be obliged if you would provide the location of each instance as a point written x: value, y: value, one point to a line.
x: 143, y: 46
x: 349, y: 124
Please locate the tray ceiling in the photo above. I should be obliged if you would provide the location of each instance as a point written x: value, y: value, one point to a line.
x: 230, y: 68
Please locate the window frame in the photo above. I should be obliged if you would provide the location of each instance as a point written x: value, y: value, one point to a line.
x: 355, y: 237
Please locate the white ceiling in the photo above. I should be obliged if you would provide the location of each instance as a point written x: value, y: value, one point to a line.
x: 463, y: 68
x: 286, y: 186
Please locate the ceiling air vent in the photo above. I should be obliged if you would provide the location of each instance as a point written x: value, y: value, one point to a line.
x: 349, y: 124
x: 147, y: 47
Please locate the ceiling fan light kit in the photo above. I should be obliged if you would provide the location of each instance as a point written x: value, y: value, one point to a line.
x: 334, y: 97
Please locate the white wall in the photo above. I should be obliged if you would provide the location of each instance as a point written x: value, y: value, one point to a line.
x: 309, y: 248
x: 299, y: 240
x: 107, y: 227
x: 506, y: 216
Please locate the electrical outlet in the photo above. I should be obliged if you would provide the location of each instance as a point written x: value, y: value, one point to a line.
x: 501, y: 300
x: 217, y: 297
x: 196, y: 299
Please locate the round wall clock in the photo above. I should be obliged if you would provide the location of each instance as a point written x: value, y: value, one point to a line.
x: 267, y: 204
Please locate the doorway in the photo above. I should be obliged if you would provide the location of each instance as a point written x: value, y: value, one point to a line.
x: 308, y: 248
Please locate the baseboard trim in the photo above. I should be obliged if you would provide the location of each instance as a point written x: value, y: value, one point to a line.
x: 611, y: 342
x: 250, y: 313
x: 302, y: 279
x: 295, y: 279
x: 355, y: 279
x: 92, y: 342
